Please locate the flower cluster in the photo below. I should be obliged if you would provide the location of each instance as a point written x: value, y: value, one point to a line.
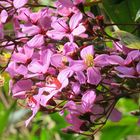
x: 59, y: 62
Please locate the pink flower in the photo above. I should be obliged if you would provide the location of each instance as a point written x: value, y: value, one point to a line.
x: 36, y: 41
x: 19, y: 3
x: 93, y: 73
x: 41, y: 65
x: 61, y: 29
x: 3, y: 16
x: 115, y: 115
x: 23, y: 55
x: 88, y: 100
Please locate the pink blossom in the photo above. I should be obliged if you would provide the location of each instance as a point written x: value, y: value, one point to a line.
x: 19, y: 3
x: 61, y: 29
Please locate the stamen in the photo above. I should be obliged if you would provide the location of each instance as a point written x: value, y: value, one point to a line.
x: 89, y: 60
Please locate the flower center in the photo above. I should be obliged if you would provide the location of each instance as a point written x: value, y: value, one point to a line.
x: 89, y: 60
x: 52, y: 81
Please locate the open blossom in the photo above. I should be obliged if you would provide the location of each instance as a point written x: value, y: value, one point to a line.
x: 65, y: 8
x: 52, y: 88
x: 128, y: 69
x: 92, y: 64
x: 78, y: 110
x: 61, y: 29
x: 70, y: 3
x: 19, y: 4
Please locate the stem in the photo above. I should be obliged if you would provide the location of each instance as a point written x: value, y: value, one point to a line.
x: 35, y: 5
x: 94, y: 2
x: 112, y: 24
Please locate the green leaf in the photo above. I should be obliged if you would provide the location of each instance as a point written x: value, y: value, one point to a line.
x: 127, y: 105
x: 5, y: 88
x: 122, y: 11
x: 43, y: 135
x: 117, y: 132
x: 137, y: 15
x: 129, y: 40
x: 5, y: 117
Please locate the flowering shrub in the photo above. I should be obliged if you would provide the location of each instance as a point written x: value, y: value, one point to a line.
x: 60, y: 62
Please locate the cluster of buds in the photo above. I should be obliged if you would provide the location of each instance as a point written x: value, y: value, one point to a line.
x: 60, y: 62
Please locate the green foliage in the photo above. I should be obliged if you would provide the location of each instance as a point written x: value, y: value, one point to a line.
x: 129, y: 40
x: 137, y: 15
x: 5, y: 117
x: 126, y: 126
x: 122, y: 11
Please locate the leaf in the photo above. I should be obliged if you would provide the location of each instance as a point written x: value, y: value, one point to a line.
x: 122, y: 11
x: 5, y: 88
x: 129, y: 40
x: 137, y: 15
x: 43, y: 135
x: 117, y: 132
x: 5, y: 117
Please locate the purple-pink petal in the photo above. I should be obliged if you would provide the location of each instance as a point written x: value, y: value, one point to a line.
x: 81, y: 77
x: 115, y: 115
x: 125, y: 70
x: 19, y: 57
x: 66, y: 3
x: 56, y: 60
x: 46, y: 59
x: 19, y: 3
x: 54, y: 34
x: 75, y: 19
x: 36, y: 41
x: 60, y: 25
x: 138, y: 68
x: 88, y: 100
x: 93, y: 75
x: 87, y: 51
x: 30, y: 29
x: 115, y: 60
x: 3, y: 16
x: 79, y: 30
x: 132, y: 56
x: 101, y: 60
x: 35, y: 67
x: 22, y: 85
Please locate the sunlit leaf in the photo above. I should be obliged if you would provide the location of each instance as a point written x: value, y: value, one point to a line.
x: 117, y: 132
x: 137, y: 15
x: 5, y: 117
x: 129, y: 40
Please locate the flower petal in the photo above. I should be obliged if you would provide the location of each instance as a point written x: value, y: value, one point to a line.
x: 115, y: 115
x: 125, y: 70
x: 19, y: 3
x: 88, y: 100
x: 75, y: 19
x: 56, y: 34
x: 138, y: 68
x: 87, y: 51
x: 36, y: 41
x: 4, y: 16
x: 132, y: 56
x: 56, y: 60
x: 79, y: 30
x: 115, y: 60
x: 93, y: 76
x: 81, y: 77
